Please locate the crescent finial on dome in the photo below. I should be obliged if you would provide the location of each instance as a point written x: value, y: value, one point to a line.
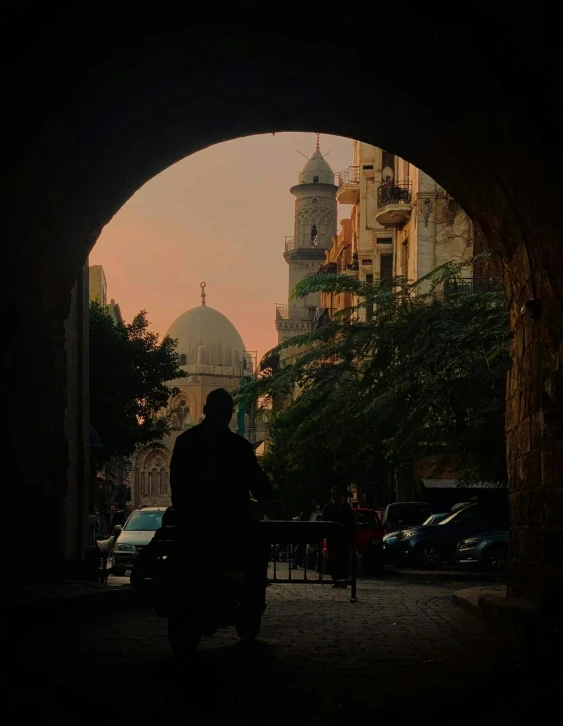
x: 203, y: 295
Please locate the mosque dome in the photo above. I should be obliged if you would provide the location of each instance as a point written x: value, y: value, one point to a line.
x: 207, y: 338
x: 317, y: 170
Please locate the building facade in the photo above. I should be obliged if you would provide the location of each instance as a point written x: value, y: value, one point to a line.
x: 213, y: 355
x: 404, y: 224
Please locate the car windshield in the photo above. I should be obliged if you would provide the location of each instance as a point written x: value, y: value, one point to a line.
x: 408, y: 516
x: 144, y: 521
x: 460, y: 515
x: 434, y: 519
x: 368, y: 519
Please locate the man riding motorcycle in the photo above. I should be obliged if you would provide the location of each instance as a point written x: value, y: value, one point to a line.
x: 214, y: 470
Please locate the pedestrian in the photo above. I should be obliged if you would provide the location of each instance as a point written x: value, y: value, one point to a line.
x: 299, y: 549
x: 338, y: 547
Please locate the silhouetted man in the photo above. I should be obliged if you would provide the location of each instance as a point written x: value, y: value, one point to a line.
x: 338, y: 548
x: 212, y: 474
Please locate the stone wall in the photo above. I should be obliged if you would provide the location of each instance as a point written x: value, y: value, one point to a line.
x: 77, y: 421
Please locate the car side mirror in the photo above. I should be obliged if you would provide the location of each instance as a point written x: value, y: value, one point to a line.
x: 117, y: 530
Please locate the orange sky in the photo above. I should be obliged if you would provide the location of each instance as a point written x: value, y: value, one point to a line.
x: 221, y: 216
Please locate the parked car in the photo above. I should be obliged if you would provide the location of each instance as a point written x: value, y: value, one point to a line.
x: 136, y: 533
x: 401, y: 515
x: 390, y: 540
x: 488, y: 551
x: 430, y: 545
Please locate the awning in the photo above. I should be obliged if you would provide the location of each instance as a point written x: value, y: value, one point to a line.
x: 462, y: 484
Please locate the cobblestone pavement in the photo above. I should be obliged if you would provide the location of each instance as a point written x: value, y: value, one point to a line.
x: 401, y: 650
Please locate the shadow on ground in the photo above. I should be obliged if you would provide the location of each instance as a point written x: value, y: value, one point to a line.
x: 401, y: 652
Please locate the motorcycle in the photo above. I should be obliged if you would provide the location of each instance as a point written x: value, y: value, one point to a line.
x: 222, y: 590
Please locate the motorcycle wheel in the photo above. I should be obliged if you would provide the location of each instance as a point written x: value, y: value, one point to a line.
x: 183, y: 637
x: 248, y: 628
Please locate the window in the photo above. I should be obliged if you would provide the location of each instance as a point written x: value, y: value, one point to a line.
x: 384, y: 240
x: 163, y: 481
x: 405, y: 258
x: 183, y: 413
x: 315, y: 180
x: 183, y: 359
x: 369, y: 306
x: 366, y: 262
x: 367, y: 166
x: 387, y: 159
x: 314, y: 235
x: 144, y: 491
x: 154, y: 482
x: 386, y: 267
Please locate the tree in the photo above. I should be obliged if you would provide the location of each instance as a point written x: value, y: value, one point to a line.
x: 424, y: 379
x: 129, y: 373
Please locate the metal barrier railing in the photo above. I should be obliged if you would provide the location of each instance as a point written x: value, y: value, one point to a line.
x: 312, y: 535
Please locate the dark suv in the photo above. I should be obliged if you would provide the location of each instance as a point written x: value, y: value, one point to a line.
x: 429, y: 546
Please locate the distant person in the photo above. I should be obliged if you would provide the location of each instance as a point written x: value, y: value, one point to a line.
x: 338, y: 548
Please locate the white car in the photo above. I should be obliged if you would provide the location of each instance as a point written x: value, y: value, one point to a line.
x: 136, y: 533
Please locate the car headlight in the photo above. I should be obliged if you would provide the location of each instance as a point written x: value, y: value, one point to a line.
x: 408, y: 533
x: 466, y: 543
x: 125, y: 548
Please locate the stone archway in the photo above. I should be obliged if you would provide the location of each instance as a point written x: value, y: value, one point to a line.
x: 93, y: 126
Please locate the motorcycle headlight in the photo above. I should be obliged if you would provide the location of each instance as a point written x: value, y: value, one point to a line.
x: 125, y: 548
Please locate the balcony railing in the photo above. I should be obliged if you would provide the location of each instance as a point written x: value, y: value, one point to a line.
x: 289, y: 244
x: 394, y: 193
x: 351, y: 175
x: 331, y: 268
x: 468, y: 285
x: 282, y: 311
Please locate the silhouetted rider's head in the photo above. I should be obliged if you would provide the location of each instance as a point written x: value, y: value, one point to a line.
x: 219, y: 407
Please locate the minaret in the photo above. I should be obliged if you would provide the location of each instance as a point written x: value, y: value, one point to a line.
x: 315, y: 226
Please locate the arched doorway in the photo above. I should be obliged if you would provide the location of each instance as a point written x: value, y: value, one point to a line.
x: 93, y: 126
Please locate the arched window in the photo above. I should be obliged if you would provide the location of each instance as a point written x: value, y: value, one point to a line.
x: 154, y: 482
x: 183, y: 414
x: 144, y: 490
x: 163, y: 481
x: 183, y: 359
x: 314, y: 235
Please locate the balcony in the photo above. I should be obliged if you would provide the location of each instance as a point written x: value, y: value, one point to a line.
x: 348, y: 265
x: 348, y: 182
x: 289, y: 244
x: 472, y: 285
x: 282, y: 311
x: 393, y: 204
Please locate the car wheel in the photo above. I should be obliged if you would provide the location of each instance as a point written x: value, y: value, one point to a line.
x: 183, y: 637
x: 428, y: 557
x: 135, y: 578
x: 495, y: 558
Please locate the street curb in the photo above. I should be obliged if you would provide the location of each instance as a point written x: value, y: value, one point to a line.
x: 491, y: 605
x: 45, y: 606
x: 444, y: 576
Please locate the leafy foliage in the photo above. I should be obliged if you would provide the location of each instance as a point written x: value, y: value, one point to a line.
x: 423, y: 379
x: 129, y: 371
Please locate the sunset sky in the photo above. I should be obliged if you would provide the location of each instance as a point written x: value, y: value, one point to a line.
x: 220, y: 215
